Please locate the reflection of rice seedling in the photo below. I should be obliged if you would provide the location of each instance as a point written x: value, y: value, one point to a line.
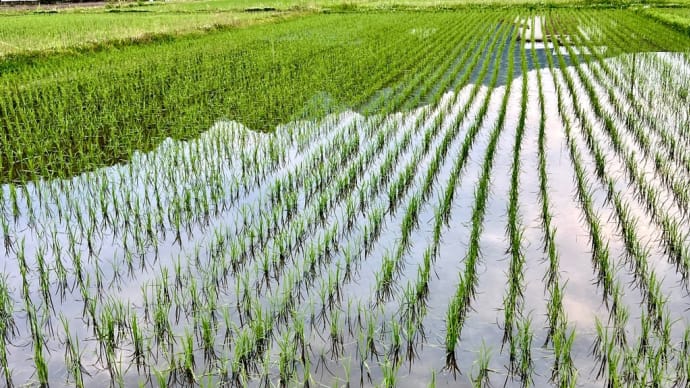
x: 465, y: 290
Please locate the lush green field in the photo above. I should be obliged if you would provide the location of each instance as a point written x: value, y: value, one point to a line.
x: 47, y: 30
x: 678, y: 18
x: 433, y: 198
x: 68, y: 114
x: 51, y: 28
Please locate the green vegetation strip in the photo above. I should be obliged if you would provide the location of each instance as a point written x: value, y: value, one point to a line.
x: 65, y: 115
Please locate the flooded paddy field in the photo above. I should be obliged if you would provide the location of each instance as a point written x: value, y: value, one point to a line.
x: 514, y: 211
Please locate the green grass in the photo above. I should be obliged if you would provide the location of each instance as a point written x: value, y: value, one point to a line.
x: 49, y: 28
x: 678, y: 18
x: 352, y: 4
x: 41, y: 33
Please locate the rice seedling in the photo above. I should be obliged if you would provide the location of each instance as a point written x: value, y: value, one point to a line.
x: 512, y: 302
x: 412, y: 332
x: 72, y: 355
x: 466, y: 288
x: 563, y: 369
x: 287, y: 362
x: 335, y: 335
x: 390, y: 370
x: 385, y: 281
x: 8, y: 329
x: 6, y: 234
x: 38, y: 344
x: 208, y: 338
x: 481, y: 379
x: 525, y: 361
x: 453, y: 326
x: 564, y: 372
x: 682, y: 367
x: 370, y: 338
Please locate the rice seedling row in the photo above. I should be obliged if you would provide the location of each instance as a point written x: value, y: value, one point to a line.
x: 563, y: 372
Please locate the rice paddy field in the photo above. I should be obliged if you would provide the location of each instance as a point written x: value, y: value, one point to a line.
x: 484, y: 196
